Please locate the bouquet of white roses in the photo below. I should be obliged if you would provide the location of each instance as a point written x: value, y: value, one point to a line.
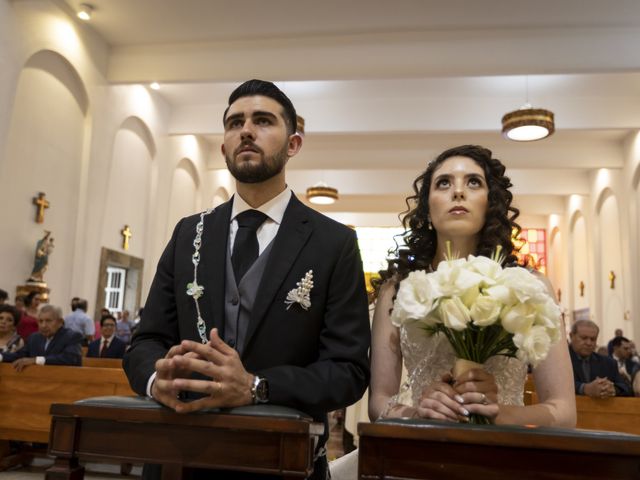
x: 482, y: 308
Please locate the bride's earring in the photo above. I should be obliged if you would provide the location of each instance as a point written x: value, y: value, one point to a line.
x: 429, y: 225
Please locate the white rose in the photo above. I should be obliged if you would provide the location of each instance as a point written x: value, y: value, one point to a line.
x: 518, y: 318
x: 501, y: 293
x: 533, y: 345
x: 486, y: 267
x: 469, y: 297
x: 415, y: 298
x: 523, y: 284
x: 454, y: 277
x: 485, y: 311
x: 454, y: 314
x: 548, y: 314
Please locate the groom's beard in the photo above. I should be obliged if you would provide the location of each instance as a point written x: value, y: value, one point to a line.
x: 251, y: 172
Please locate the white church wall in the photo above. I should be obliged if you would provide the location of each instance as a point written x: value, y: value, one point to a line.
x: 44, y: 144
x: 613, y: 303
x: 631, y: 175
x: 184, y: 193
x: 40, y: 25
x: 579, y: 258
x: 611, y: 249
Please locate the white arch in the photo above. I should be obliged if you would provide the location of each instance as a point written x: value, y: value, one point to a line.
x: 137, y: 126
x: 58, y: 66
x: 187, y: 164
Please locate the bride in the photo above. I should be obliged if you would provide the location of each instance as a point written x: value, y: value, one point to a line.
x: 462, y: 198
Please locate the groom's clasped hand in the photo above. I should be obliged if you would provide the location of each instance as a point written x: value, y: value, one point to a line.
x: 227, y: 384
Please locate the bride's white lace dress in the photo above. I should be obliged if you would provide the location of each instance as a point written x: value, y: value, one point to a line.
x: 427, y: 358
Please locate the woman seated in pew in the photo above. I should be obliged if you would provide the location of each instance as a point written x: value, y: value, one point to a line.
x: 462, y: 199
x: 10, y: 341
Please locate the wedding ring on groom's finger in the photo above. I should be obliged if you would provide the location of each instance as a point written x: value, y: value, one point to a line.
x: 484, y: 400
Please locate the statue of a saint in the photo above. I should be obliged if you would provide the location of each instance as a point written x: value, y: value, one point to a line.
x: 44, y: 247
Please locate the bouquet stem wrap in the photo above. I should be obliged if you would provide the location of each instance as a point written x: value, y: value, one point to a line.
x: 461, y: 367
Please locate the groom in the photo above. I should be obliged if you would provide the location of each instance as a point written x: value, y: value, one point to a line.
x: 276, y: 311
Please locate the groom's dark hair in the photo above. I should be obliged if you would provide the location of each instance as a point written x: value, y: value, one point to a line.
x: 255, y: 87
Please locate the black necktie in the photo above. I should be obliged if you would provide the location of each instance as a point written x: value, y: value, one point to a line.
x: 245, y: 246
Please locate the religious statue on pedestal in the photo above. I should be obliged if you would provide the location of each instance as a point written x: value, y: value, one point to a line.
x: 44, y: 247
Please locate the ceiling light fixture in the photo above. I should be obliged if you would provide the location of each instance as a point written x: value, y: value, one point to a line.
x: 528, y: 124
x: 322, y: 194
x: 154, y: 86
x: 85, y: 11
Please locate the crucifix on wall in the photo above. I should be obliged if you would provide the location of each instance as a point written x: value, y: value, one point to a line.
x: 41, y: 203
x: 612, y: 280
x: 581, y: 287
x: 126, y: 235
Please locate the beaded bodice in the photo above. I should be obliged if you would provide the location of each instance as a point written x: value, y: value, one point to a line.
x: 427, y: 357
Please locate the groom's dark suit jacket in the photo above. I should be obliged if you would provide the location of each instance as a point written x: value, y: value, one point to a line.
x: 315, y: 360
x: 63, y: 349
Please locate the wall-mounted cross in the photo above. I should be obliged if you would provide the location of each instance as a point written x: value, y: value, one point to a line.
x: 41, y: 203
x: 126, y: 235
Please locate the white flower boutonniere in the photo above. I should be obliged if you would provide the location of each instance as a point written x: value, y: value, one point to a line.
x: 300, y: 294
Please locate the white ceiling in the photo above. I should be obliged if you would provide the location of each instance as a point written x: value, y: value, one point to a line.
x: 385, y: 86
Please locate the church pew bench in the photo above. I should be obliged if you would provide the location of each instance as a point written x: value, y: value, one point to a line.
x: 256, y: 438
x: 616, y: 414
x: 102, y: 362
x: 26, y: 397
x: 423, y: 449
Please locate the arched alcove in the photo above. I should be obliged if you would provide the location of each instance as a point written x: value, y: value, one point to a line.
x: 129, y: 185
x: 184, y: 193
x: 43, y: 154
x: 611, y: 281
x: 138, y: 127
x: 579, y: 262
x: 220, y: 196
x: 555, y: 258
x: 63, y: 71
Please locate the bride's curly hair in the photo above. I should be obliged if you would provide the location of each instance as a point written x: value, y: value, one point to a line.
x: 421, y: 242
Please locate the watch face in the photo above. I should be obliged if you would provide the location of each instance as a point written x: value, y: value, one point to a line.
x: 262, y: 390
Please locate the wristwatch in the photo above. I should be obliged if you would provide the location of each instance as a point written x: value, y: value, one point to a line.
x: 260, y: 390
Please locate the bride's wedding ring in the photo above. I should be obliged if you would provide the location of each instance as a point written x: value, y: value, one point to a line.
x: 484, y: 399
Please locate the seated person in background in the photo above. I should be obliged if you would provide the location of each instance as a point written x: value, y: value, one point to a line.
x: 602, y: 350
x: 10, y: 341
x: 109, y: 346
x: 123, y: 327
x: 79, y: 321
x: 52, y: 344
x: 594, y: 375
x: 616, y: 333
x: 29, y: 320
x: 622, y: 356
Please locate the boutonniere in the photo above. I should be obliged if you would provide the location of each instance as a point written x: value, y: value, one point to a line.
x: 194, y: 290
x: 300, y: 294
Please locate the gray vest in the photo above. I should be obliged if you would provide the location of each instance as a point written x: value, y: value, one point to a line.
x: 239, y: 299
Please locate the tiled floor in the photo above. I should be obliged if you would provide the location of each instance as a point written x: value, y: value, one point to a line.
x: 93, y: 471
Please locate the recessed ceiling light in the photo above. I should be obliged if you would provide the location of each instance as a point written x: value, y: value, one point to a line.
x: 85, y: 11
x: 154, y: 86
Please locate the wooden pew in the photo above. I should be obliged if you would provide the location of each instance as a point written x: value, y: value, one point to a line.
x: 617, y: 414
x: 255, y: 438
x: 415, y: 449
x: 102, y: 362
x: 26, y: 397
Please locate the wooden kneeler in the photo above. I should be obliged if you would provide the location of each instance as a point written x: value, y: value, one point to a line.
x: 265, y: 439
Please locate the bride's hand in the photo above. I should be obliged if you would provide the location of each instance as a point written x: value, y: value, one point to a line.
x: 441, y: 401
x: 479, y: 390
